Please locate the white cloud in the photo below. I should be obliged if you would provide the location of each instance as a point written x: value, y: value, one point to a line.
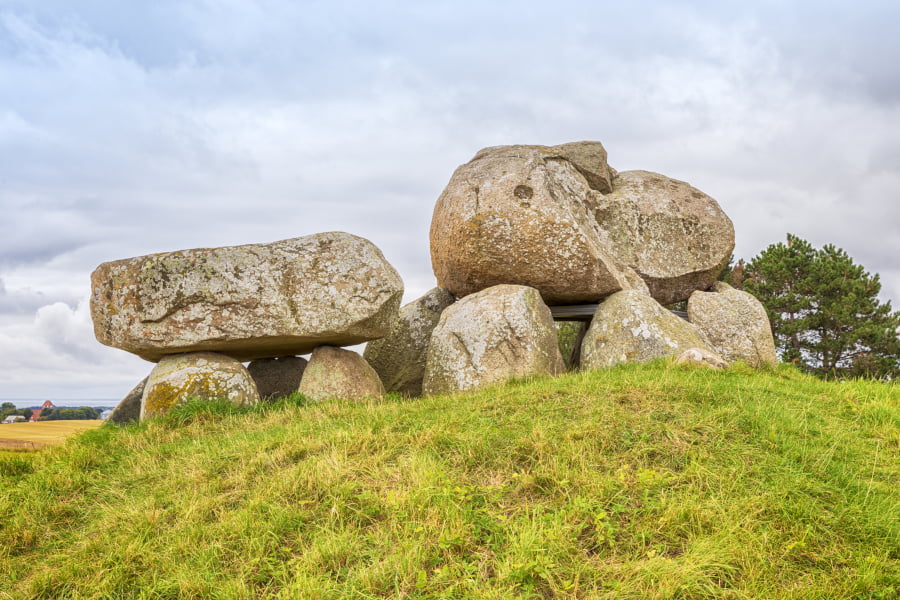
x: 19, y: 301
x: 55, y: 356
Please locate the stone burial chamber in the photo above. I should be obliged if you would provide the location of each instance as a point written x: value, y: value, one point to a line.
x: 214, y: 308
x: 520, y: 236
x: 612, y: 249
x: 559, y: 219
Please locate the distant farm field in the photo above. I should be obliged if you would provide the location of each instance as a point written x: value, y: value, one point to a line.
x: 33, y: 436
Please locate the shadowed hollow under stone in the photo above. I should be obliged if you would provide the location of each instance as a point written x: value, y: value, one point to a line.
x: 277, y: 377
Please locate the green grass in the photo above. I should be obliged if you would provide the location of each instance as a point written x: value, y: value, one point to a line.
x: 638, y: 482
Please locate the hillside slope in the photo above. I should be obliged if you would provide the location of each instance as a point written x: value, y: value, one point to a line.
x: 635, y: 482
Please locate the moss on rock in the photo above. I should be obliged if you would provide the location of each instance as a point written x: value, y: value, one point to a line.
x: 202, y: 375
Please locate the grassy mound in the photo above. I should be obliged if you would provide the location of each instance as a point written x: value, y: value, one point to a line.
x: 634, y: 482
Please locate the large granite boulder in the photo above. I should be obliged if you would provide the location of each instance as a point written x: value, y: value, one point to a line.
x: 201, y: 375
x: 339, y: 373
x: 253, y: 301
x: 277, y: 377
x: 502, y: 332
x: 521, y: 215
x: 399, y: 358
x: 630, y: 326
x: 676, y: 237
x: 736, y: 324
x: 129, y: 409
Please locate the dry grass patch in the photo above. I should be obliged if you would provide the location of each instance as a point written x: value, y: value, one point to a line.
x: 33, y: 436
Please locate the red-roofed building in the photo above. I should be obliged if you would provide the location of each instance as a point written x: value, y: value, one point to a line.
x: 36, y: 412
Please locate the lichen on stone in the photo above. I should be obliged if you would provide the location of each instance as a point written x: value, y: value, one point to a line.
x: 502, y: 332
x: 200, y: 375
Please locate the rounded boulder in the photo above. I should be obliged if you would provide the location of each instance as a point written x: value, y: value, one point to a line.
x: 399, y: 358
x: 630, y: 326
x: 500, y: 333
x: 201, y: 375
x: 339, y: 373
x: 674, y: 236
x: 736, y: 324
x: 520, y: 215
x: 129, y: 409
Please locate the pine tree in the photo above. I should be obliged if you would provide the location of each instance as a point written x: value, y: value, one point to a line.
x: 733, y: 274
x: 824, y: 310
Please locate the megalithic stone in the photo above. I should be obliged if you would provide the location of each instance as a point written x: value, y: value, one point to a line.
x: 253, y: 301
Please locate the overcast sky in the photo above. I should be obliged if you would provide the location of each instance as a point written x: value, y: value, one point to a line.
x: 135, y: 127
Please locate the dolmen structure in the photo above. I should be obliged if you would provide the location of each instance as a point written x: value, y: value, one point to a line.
x: 520, y: 235
x: 199, y: 314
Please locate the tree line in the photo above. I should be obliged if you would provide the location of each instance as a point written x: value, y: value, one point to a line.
x: 81, y: 413
x: 824, y: 309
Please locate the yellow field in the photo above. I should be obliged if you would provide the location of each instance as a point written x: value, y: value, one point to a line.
x: 33, y: 436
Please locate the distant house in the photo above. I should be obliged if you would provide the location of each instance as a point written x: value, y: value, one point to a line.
x: 36, y: 412
x: 13, y: 419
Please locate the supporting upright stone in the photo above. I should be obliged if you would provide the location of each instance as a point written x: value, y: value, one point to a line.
x: 399, y: 358
x: 503, y: 332
x: 736, y: 324
x: 339, y: 373
x: 201, y: 375
x: 633, y: 327
x: 129, y: 409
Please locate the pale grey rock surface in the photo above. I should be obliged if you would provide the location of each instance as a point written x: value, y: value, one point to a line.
x: 521, y: 215
x: 339, y: 373
x: 129, y: 409
x: 399, y: 358
x: 701, y: 357
x: 277, y: 377
x: 488, y: 337
x: 253, y: 301
x: 203, y: 375
x: 630, y: 326
x: 589, y: 158
x: 674, y: 236
x: 736, y: 324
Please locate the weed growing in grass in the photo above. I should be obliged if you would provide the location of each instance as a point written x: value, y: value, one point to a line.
x: 635, y: 482
x: 15, y: 464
